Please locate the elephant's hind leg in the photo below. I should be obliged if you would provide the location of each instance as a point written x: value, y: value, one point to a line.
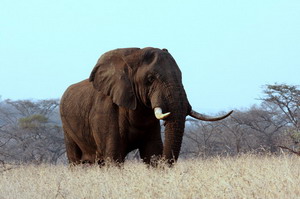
x: 74, y: 153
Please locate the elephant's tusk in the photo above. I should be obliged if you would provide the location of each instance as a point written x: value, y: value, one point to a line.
x: 159, y: 115
x: 200, y: 116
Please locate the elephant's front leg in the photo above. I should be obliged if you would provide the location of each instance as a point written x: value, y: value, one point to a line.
x: 109, y: 148
x: 104, y: 120
x: 151, y: 147
x: 114, y: 149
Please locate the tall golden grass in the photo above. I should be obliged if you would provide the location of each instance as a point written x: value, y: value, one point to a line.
x: 246, y: 176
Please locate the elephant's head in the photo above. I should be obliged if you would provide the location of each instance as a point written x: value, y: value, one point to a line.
x: 150, y: 77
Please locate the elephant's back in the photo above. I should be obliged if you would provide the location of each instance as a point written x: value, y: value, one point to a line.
x: 77, y: 99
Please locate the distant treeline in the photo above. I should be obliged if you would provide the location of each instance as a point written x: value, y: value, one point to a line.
x: 31, y: 132
x: 260, y: 129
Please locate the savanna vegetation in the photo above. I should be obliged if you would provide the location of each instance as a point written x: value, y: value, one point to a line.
x: 244, y: 156
x: 243, y: 176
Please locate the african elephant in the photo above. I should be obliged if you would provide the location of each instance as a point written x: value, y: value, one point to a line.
x: 119, y: 107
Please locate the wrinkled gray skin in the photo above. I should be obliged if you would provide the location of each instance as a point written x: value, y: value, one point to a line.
x: 111, y: 113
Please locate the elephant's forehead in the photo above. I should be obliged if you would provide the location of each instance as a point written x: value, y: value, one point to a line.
x: 164, y: 72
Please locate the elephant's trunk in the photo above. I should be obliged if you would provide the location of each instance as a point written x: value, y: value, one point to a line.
x: 174, y: 125
x: 173, y: 138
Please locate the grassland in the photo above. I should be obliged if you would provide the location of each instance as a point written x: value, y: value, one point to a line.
x: 246, y: 176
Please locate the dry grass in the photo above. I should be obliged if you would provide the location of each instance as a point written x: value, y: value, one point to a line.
x: 247, y: 176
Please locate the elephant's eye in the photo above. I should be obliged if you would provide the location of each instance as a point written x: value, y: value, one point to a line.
x: 150, y: 79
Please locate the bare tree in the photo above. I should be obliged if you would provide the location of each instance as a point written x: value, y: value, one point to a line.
x: 236, y: 134
x: 265, y: 125
x: 286, y: 98
x: 30, y: 131
x: 199, y: 138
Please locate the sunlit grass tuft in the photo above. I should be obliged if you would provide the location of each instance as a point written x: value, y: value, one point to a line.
x: 247, y: 176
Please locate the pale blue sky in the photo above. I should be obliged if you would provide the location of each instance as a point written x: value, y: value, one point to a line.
x: 226, y: 49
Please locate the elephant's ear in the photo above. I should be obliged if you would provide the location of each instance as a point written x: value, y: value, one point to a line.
x: 110, y: 76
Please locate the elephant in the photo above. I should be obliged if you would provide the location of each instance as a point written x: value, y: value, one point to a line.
x: 119, y: 107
